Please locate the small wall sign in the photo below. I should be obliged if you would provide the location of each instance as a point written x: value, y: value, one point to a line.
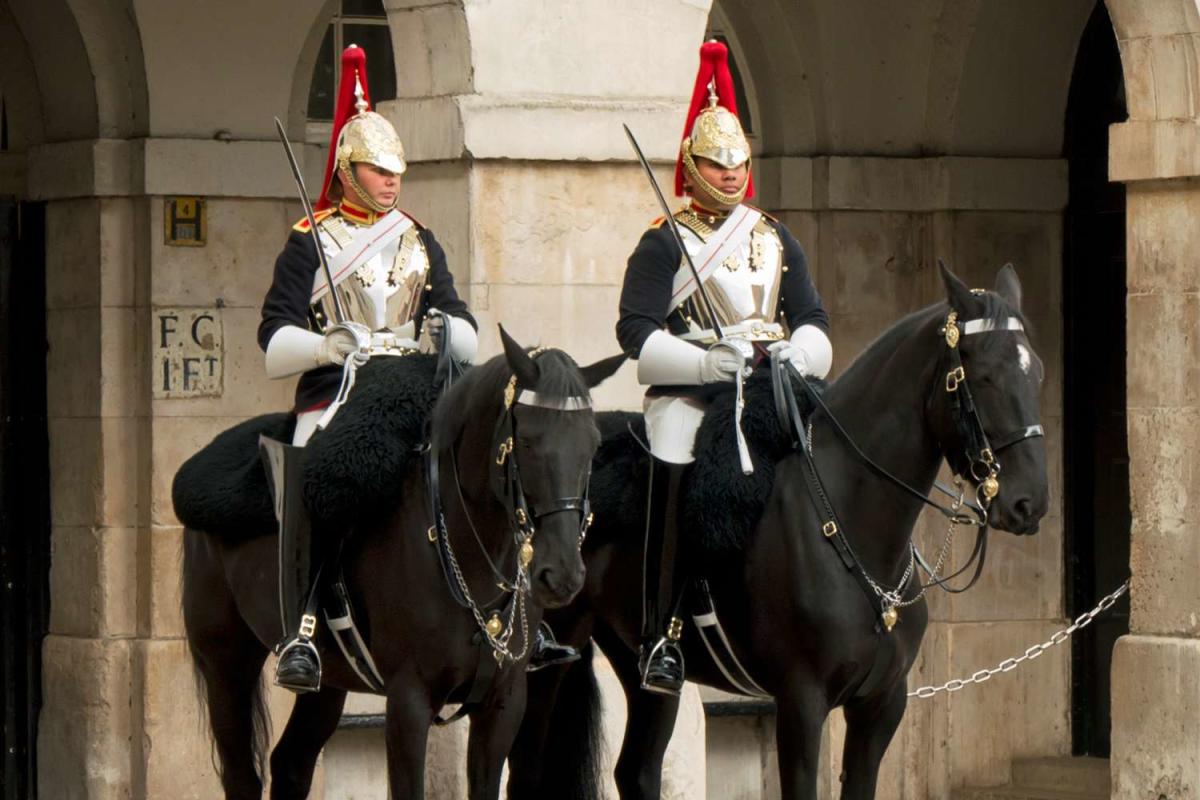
x: 189, y: 353
x: 186, y: 221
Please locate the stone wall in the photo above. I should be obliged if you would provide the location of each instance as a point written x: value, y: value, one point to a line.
x: 520, y: 165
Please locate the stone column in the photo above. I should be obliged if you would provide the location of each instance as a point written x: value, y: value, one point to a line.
x: 1156, y: 668
x: 97, y: 436
x: 511, y: 116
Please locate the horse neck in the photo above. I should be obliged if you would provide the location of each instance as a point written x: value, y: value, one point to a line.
x: 881, y: 401
x: 479, y: 507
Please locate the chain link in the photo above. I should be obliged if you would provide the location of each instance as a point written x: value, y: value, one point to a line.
x: 498, y: 643
x: 1009, y: 664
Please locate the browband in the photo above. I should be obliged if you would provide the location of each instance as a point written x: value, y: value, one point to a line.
x: 527, y: 398
x: 989, y: 325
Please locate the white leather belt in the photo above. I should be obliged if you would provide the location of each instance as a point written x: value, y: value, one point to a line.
x: 754, y: 331
x: 386, y: 343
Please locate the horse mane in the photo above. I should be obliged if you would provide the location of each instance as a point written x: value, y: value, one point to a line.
x: 478, y: 394
x: 991, y: 306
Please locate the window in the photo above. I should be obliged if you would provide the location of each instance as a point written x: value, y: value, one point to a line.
x: 360, y: 22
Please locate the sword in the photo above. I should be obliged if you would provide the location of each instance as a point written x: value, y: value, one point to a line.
x: 312, y: 221
x: 662, y: 202
x: 743, y: 449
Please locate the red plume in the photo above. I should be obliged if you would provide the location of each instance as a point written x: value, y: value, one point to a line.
x: 354, y: 65
x: 714, y: 64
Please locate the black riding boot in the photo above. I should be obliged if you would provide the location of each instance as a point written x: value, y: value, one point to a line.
x: 661, y: 658
x: 548, y: 651
x: 299, y: 665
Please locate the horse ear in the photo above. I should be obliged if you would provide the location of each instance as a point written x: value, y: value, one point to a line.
x: 956, y: 291
x: 524, y: 367
x: 1008, y: 286
x: 602, y: 370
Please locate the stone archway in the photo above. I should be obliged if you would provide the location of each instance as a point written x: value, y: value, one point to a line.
x: 1155, y: 694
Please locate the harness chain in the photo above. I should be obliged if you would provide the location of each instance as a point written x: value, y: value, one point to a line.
x: 1009, y: 664
x: 497, y: 632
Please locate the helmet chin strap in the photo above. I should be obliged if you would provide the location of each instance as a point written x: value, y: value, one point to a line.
x: 706, y: 190
x: 346, y: 173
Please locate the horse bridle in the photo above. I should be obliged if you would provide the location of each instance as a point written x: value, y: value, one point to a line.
x: 978, y: 459
x: 981, y: 463
x: 505, y: 478
x: 523, y: 516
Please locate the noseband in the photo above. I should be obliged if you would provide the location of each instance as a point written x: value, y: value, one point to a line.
x: 973, y: 456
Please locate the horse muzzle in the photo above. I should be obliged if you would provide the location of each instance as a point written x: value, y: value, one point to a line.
x: 1020, y: 516
x: 555, y: 586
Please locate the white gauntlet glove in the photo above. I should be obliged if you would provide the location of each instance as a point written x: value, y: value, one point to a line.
x: 293, y: 349
x: 809, y: 351
x: 667, y: 360
x: 722, y: 363
x: 337, y: 345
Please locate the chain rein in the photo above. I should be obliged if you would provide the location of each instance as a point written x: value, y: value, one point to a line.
x: 497, y: 629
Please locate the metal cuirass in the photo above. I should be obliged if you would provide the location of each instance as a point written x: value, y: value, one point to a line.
x: 384, y: 293
x: 744, y: 289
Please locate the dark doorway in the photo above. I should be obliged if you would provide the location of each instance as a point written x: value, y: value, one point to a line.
x: 25, y: 478
x: 1096, y: 459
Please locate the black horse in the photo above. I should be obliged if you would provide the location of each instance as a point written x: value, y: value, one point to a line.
x: 795, y: 600
x: 426, y: 645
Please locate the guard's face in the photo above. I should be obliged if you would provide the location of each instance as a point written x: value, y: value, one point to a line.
x: 381, y: 185
x: 729, y: 181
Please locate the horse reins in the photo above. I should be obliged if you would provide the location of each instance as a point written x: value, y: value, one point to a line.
x: 981, y: 466
x: 505, y: 479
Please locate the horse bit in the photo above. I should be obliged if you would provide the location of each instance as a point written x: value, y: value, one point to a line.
x: 499, y: 627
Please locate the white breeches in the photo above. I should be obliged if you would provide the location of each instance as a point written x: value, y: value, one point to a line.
x: 671, y: 425
x: 306, y: 425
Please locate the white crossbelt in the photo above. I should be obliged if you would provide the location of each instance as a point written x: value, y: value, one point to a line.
x: 365, y: 245
x: 723, y: 242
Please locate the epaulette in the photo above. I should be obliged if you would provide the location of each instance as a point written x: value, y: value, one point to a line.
x: 416, y: 222
x: 302, y: 225
x: 764, y: 213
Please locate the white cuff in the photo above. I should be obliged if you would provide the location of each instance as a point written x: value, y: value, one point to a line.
x: 666, y: 360
x: 293, y: 350
x: 813, y: 352
x: 464, y: 341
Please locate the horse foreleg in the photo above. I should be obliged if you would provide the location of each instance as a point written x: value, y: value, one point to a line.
x: 313, y: 720
x: 801, y: 711
x: 409, y: 715
x: 648, y: 729
x: 493, y: 729
x: 870, y: 726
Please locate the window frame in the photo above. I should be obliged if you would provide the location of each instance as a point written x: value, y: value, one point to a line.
x: 338, y: 22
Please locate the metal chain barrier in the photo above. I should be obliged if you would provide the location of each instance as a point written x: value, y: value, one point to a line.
x: 1009, y: 664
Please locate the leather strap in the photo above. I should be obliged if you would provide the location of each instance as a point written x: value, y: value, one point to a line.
x: 485, y: 674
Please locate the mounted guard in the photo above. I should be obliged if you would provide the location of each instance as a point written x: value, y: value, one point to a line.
x: 384, y: 280
x: 703, y: 316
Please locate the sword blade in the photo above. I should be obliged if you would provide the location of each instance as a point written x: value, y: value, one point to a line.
x: 674, y: 226
x: 312, y: 220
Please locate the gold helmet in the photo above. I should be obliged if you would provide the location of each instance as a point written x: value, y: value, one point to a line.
x: 713, y: 129
x: 363, y: 137
x: 368, y: 138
